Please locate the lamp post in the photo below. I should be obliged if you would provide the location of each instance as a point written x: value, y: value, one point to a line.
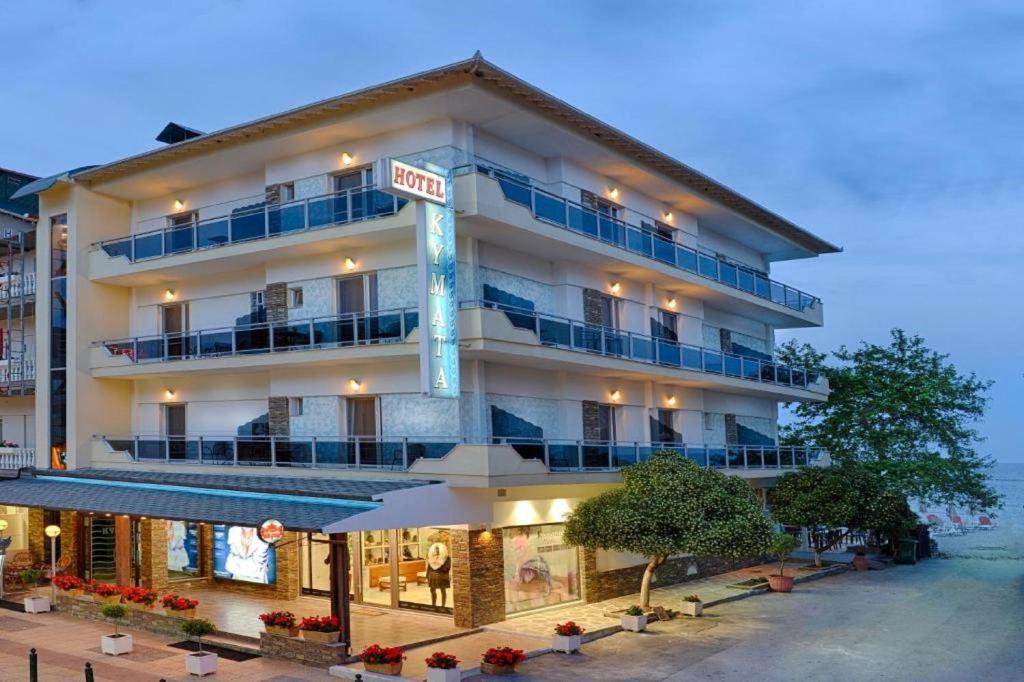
x: 53, y: 532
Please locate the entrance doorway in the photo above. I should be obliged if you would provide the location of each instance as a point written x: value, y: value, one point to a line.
x: 316, y: 564
x: 175, y: 428
x: 174, y: 318
x: 100, y: 550
x: 407, y: 568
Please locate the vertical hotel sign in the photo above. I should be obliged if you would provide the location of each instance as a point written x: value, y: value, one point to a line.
x: 431, y: 189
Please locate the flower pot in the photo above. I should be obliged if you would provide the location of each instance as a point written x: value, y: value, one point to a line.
x: 74, y: 594
x: 634, y: 623
x: 139, y: 607
x: 110, y: 599
x: 692, y: 608
x: 201, y: 663
x: 780, y: 583
x: 444, y: 674
x: 321, y: 637
x: 566, y: 643
x: 115, y: 645
x: 184, y: 613
x: 860, y: 562
x: 380, y: 668
x: 37, y: 604
x: 282, y: 631
x: 495, y: 669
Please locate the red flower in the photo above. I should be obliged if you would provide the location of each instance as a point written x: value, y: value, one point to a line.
x: 320, y: 624
x: 443, y: 661
x: 279, y: 619
x: 67, y: 583
x: 176, y: 603
x: 375, y: 653
x: 503, y: 655
x: 106, y: 589
x: 569, y: 629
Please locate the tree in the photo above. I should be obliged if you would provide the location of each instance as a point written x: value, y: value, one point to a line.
x: 670, y: 505
x: 903, y: 411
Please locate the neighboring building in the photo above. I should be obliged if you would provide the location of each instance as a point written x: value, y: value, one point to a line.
x: 254, y: 303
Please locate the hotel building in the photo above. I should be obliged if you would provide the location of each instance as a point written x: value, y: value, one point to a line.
x: 416, y: 324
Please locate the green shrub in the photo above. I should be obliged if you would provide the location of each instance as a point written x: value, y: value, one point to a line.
x: 114, y: 613
x: 198, y: 628
x: 634, y: 610
x: 31, y: 576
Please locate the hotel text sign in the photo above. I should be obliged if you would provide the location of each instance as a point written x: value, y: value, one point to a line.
x: 431, y: 188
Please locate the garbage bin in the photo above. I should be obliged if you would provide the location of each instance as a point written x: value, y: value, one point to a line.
x: 906, y: 551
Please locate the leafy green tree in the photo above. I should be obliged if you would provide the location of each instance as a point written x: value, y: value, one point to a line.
x: 903, y: 411
x: 670, y: 505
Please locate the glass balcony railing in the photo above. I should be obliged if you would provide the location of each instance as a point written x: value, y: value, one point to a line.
x: 254, y: 222
x: 352, y: 452
x: 589, y: 222
x: 574, y: 335
x: 352, y: 329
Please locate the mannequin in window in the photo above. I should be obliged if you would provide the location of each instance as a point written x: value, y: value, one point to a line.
x: 439, y: 568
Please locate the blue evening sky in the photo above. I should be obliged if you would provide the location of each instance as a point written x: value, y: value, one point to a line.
x: 891, y: 128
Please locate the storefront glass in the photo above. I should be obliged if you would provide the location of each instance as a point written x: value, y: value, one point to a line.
x: 540, y: 570
x: 316, y: 564
x: 418, y: 578
x: 182, y: 550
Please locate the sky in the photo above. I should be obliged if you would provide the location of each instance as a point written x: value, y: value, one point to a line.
x: 890, y: 128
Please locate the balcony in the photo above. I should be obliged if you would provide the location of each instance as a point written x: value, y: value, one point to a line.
x: 17, y: 286
x: 255, y: 222
x: 577, y: 336
x: 16, y: 458
x: 17, y: 378
x: 339, y: 331
x: 382, y: 453
x: 555, y: 210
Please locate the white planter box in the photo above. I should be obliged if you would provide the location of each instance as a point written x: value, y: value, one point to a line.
x: 440, y: 675
x: 693, y: 608
x: 634, y: 623
x: 115, y: 645
x: 567, y: 644
x: 201, y: 664
x: 37, y: 604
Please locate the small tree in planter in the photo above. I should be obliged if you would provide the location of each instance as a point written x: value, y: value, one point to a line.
x: 442, y: 667
x: 280, y: 623
x: 692, y: 605
x: 501, y: 660
x: 634, y: 619
x: 69, y: 585
x: 568, y: 637
x: 33, y: 603
x: 115, y: 644
x: 383, y: 660
x: 199, y: 662
x: 323, y: 629
x: 669, y: 505
x: 782, y: 545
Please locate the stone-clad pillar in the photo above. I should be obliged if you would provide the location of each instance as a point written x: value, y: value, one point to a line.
x: 36, y: 538
x: 478, y: 577
x: 69, y: 540
x: 153, y: 540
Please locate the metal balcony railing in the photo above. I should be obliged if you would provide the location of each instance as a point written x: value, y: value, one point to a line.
x: 561, y: 332
x: 573, y: 216
x: 17, y: 371
x: 17, y: 286
x: 350, y: 329
x: 256, y: 221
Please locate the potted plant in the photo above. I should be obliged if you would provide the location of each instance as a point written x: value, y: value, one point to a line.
x: 199, y: 662
x: 179, y: 606
x: 139, y: 597
x: 106, y: 593
x: 501, y: 660
x: 634, y: 619
x: 383, y: 660
x: 115, y: 644
x: 692, y: 605
x: 33, y: 603
x: 782, y: 545
x: 442, y: 667
x: 323, y: 629
x: 69, y: 585
x: 568, y: 637
x: 860, y: 558
x: 280, y: 623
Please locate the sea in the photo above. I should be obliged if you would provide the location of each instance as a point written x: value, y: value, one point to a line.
x: 1005, y: 542
x: 1008, y: 480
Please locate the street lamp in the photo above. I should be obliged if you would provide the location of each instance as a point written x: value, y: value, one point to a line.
x: 53, y: 532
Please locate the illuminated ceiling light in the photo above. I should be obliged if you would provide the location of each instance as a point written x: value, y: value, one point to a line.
x: 667, y: 215
x: 354, y: 384
x: 169, y: 294
x: 616, y: 394
x: 347, y: 158
x: 672, y: 303
x: 169, y: 393
x: 615, y: 287
x: 178, y: 204
x: 613, y: 192
x: 350, y: 264
x: 671, y: 401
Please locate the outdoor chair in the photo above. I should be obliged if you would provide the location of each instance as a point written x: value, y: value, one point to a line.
x: 985, y: 523
x: 16, y: 563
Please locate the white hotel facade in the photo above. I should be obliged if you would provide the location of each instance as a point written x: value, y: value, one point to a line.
x: 553, y: 301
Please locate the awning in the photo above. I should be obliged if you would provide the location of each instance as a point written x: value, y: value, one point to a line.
x: 301, y: 504
x: 43, y: 184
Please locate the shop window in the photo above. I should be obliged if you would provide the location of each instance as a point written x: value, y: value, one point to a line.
x: 239, y: 554
x: 540, y: 570
x: 182, y: 550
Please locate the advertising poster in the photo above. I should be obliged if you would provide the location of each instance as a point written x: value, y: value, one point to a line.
x: 239, y: 554
x: 182, y: 547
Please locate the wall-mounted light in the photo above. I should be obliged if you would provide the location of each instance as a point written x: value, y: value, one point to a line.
x: 178, y: 204
x: 616, y: 395
x: 615, y: 287
x: 354, y: 384
x: 350, y: 264
x: 169, y: 393
x: 613, y: 192
x: 670, y: 401
x: 347, y: 159
x: 672, y: 303
x: 169, y: 294
x: 667, y: 215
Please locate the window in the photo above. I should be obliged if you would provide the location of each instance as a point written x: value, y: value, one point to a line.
x: 357, y: 293
x: 609, y: 312
x: 183, y: 219
x: 664, y: 325
x: 606, y: 423
x: 294, y: 407
x: 662, y: 427
x: 709, y: 421
x: 287, y: 192
x: 540, y: 569
x: 295, y: 299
